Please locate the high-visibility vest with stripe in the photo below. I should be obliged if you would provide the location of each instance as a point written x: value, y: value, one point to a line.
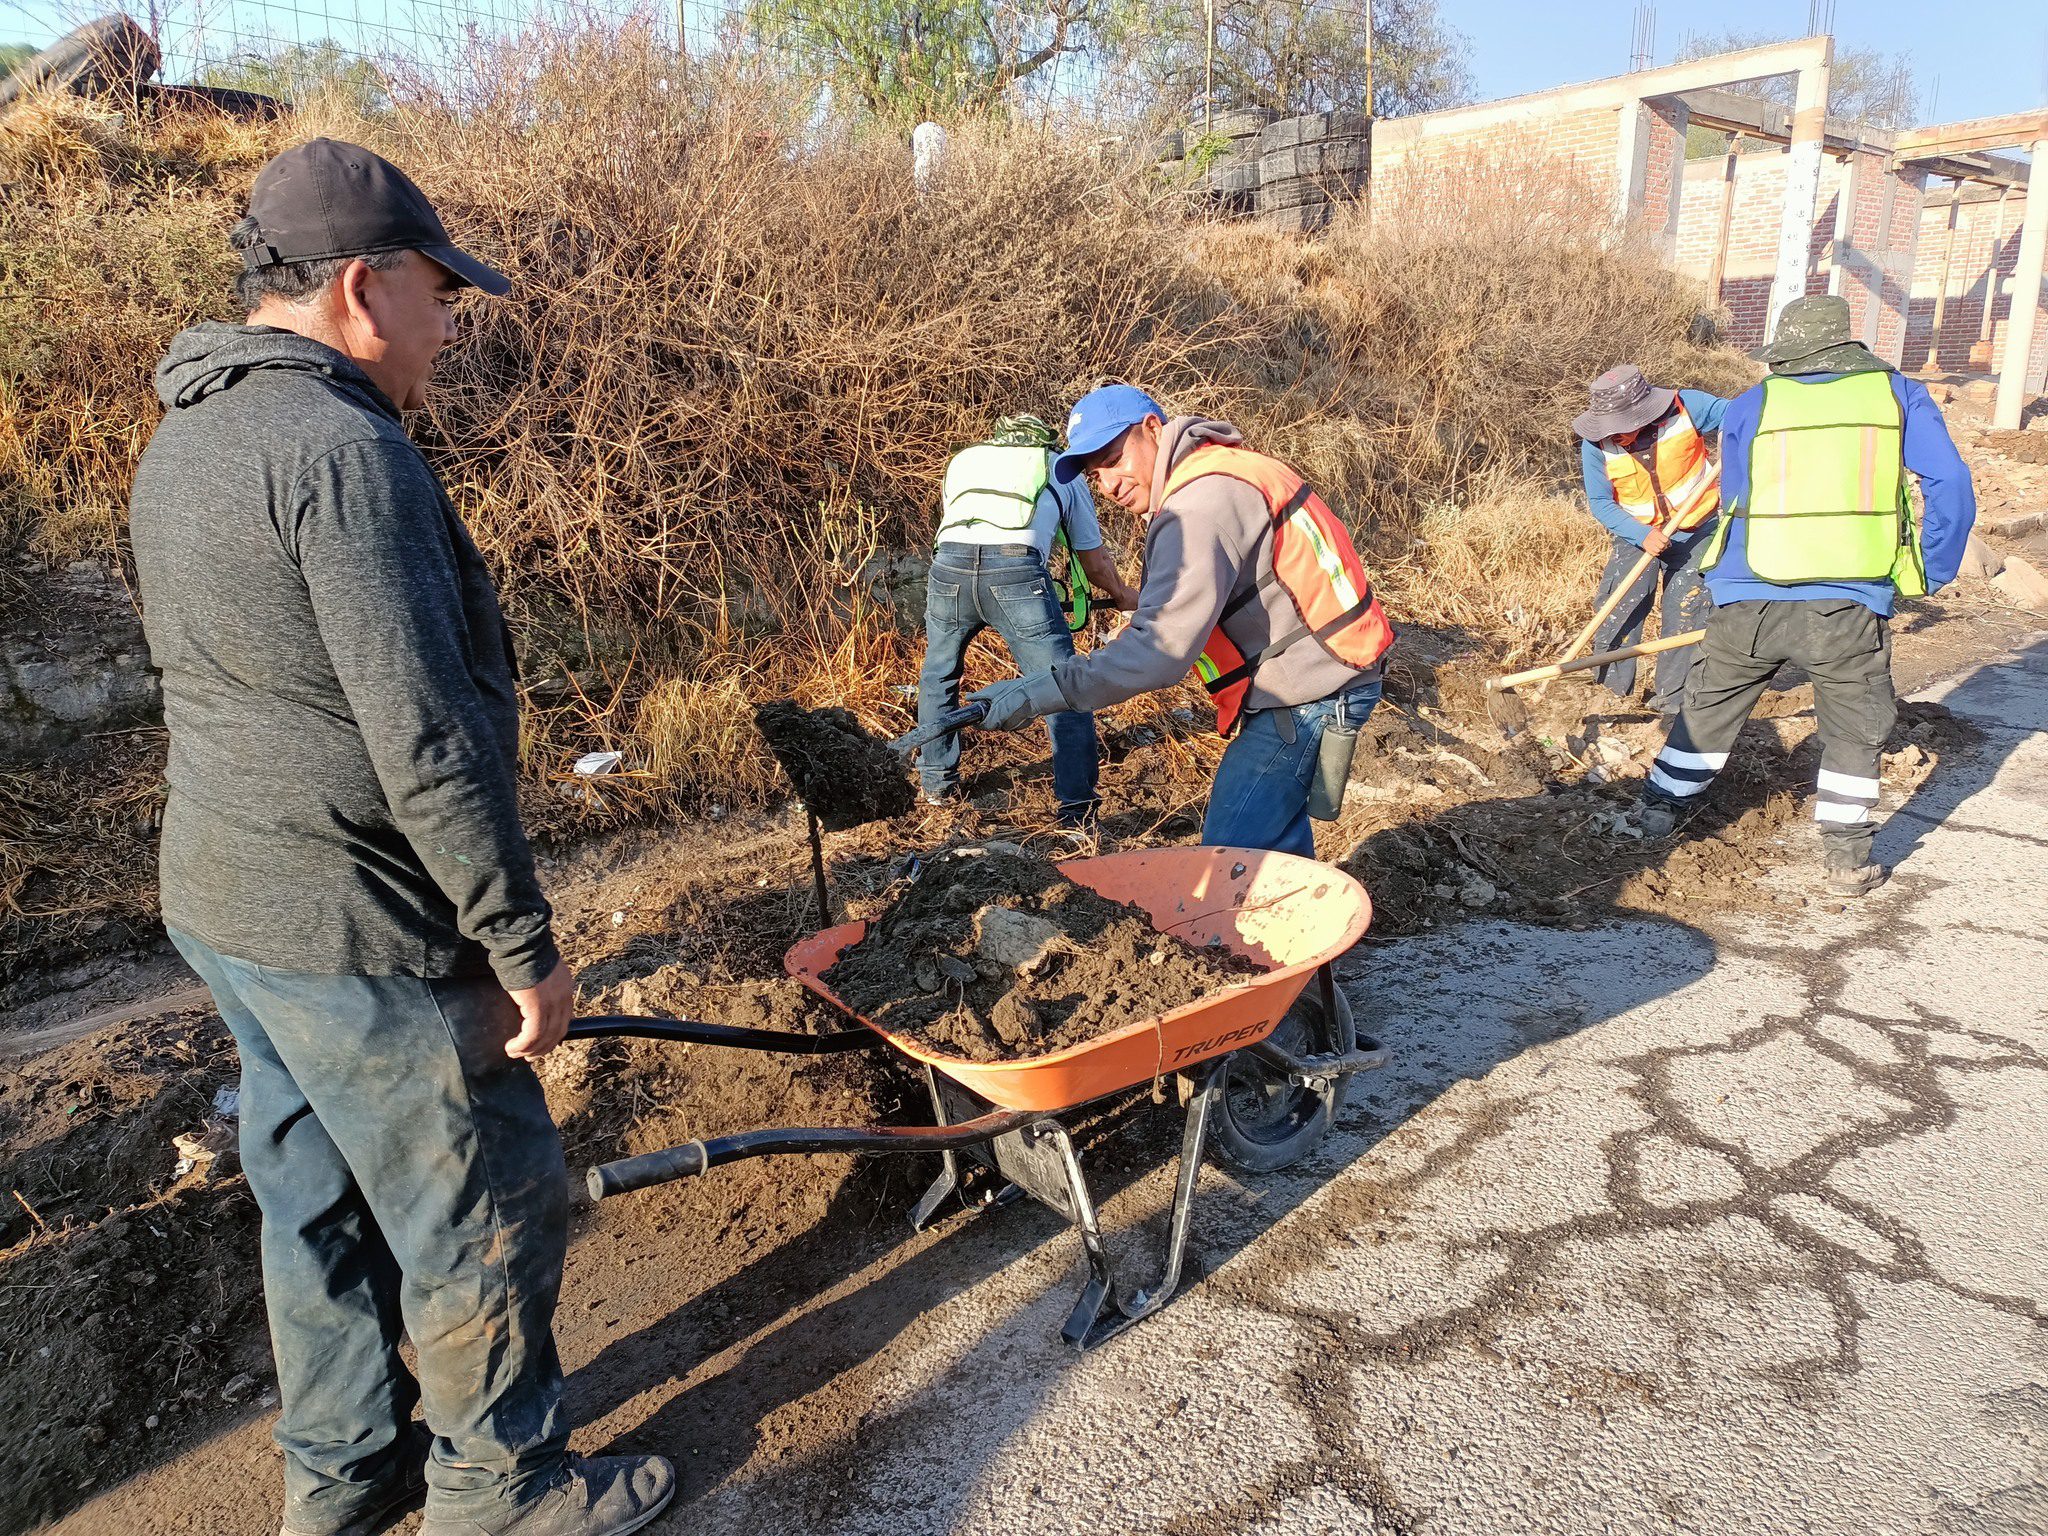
x: 1313, y: 562
x: 1827, y: 496
x: 1680, y: 486
x: 994, y: 485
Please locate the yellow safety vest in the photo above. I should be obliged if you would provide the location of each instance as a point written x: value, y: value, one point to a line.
x: 1827, y: 496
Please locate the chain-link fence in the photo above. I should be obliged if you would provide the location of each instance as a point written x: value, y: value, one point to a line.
x: 1124, y: 59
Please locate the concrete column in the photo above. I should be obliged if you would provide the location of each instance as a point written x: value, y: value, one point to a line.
x: 1948, y: 267
x: 1802, y: 186
x: 1717, y: 271
x: 2026, y: 299
x: 1631, y: 153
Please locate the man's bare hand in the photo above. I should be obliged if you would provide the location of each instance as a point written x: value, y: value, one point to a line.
x: 1656, y: 541
x: 544, y: 1013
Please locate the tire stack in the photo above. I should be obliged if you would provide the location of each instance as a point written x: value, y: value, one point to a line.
x: 1309, y: 166
x: 108, y: 57
x: 1230, y: 181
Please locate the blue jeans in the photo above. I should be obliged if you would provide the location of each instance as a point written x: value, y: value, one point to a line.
x: 1685, y: 606
x: 410, y: 1178
x: 1260, y: 797
x: 1004, y: 587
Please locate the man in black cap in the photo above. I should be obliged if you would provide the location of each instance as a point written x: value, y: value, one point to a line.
x: 343, y: 864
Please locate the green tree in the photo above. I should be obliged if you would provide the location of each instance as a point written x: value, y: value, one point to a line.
x: 301, y: 72
x: 13, y: 56
x: 1296, y: 56
x: 1864, y: 85
x: 910, y: 59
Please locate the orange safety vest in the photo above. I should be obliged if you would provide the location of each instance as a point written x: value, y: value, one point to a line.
x: 1314, y: 562
x: 1680, y: 488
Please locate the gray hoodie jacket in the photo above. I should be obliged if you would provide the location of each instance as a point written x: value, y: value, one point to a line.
x: 1210, y: 542
x: 338, y: 679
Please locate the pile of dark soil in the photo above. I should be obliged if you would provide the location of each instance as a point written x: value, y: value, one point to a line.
x: 935, y: 964
x: 846, y: 776
x: 130, y: 1303
x: 1562, y: 855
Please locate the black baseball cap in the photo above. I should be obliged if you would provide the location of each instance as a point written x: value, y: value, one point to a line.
x: 326, y: 199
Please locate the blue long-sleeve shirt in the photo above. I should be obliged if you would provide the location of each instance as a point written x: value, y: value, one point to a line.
x: 1951, y: 503
x: 1706, y: 412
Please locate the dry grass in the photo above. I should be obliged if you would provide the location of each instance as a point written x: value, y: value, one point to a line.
x: 741, y: 349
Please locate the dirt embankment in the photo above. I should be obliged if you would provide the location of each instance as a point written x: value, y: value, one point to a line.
x: 996, y: 956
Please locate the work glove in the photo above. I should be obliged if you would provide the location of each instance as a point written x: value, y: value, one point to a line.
x: 1019, y: 701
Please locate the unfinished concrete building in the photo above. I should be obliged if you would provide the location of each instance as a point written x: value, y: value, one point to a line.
x: 1929, y: 233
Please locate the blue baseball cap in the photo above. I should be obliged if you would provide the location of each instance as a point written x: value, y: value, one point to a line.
x: 1097, y: 420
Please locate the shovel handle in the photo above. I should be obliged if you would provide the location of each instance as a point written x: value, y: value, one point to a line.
x: 1607, y: 608
x: 1600, y: 659
x: 952, y: 720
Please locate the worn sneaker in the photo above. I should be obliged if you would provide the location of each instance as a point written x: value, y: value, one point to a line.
x: 1861, y: 881
x: 950, y: 795
x: 593, y: 1496
x: 1656, y: 819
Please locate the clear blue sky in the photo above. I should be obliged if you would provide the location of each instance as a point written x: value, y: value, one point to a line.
x: 1990, y: 56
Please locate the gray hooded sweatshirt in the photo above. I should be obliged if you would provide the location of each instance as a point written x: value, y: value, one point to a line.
x: 1210, y: 542
x: 338, y: 679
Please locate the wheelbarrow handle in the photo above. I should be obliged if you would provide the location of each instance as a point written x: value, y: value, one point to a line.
x: 952, y: 720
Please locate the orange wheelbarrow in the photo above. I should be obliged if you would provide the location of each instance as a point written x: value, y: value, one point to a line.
x: 1264, y: 1064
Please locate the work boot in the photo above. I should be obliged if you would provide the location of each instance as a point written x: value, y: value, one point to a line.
x: 402, y: 1499
x: 1860, y: 881
x: 593, y: 1496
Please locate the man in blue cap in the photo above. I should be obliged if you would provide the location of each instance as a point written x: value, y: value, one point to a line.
x: 1251, y: 581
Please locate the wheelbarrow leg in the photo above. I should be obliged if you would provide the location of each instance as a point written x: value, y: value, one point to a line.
x: 949, y: 1175
x: 1100, y: 1313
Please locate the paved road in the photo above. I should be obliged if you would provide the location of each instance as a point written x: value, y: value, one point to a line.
x: 1736, y: 1228
x: 1654, y: 1228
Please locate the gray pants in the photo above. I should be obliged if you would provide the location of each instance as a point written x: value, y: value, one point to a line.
x: 1847, y: 652
x: 1685, y: 607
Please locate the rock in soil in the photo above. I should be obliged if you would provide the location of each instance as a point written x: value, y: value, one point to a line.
x: 846, y: 776
x: 928, y: 966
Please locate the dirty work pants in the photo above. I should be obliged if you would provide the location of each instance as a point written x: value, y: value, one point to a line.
x: 1260, y: 798
x: 410, y: 1178
x: 1847, y: 652
x: 1004, y: 587
x: 1685, y: 607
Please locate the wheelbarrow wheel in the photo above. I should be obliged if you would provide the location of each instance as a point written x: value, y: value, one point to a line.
x: 1264, y: 1122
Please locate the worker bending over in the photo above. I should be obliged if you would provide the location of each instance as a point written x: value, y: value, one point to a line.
x: 1251, y: 581
x: 1652, y: 481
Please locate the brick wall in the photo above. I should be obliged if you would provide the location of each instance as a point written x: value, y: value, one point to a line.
x: 1986, y: 248
x: 1874, y: 259
x: 1410, y: 155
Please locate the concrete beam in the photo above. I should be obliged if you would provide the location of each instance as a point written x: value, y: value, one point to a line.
x: 1615, y: 92
x: 1755, y: 118
x: 1988, y: 172
x: 2007, y: 405
x: 1802, y: 178
x: 2006, y: 132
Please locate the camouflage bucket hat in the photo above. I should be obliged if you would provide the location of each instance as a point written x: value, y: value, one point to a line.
x: 1814, y: 334
x: 1024, y: 432
x: 1623, y: 400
